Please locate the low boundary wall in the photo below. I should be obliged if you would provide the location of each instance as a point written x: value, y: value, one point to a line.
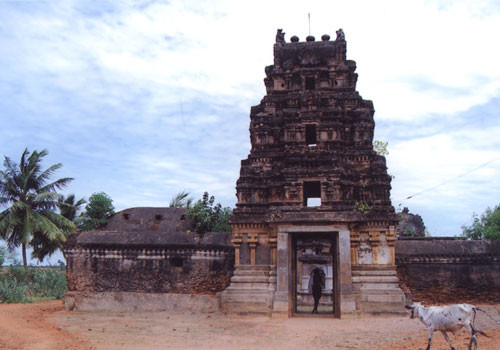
x: 449, y: 270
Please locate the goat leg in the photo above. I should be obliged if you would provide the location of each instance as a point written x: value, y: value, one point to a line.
x: 447, y: 339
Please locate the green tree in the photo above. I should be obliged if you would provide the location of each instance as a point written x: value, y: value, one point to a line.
x: 380, y: 148
x: 3, y: 255
x: 181, y: 200
x: 487, y: 226
x: 97, y: 212
x: 209, y: 217
x: 31, y: 199
x: 68, y: 207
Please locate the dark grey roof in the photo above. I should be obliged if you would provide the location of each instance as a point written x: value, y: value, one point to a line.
x: 147, y: 227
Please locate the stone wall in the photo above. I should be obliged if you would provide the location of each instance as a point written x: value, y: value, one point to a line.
x: 147, y: 258
x: 446, y: 270
x: 162, y: 269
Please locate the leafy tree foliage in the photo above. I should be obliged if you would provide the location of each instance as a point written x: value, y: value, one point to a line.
x: 380, y: 147
x: 68, y: 207
x: 209, y: 217
x: 181, y: 200
x: 31, y: 199
x: 3, y: 255
x: 487, y: 226
x: 97, y: 212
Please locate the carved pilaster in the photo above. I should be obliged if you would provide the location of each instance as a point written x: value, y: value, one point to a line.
x: 273, y: 241
x: 374, y: 242
x: 236, y: 241
x: 354, y: 248
x: 391, y: 241
x: 252, y: 242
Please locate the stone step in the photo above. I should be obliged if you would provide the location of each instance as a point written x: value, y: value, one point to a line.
x: 248, y: 298
x: 250, y: 279
x: 257, y: 286
x: 252, y: 268
x: 375, y: 279
x: 391, y: 291
x: 375, y: 272
x: 382, y: 286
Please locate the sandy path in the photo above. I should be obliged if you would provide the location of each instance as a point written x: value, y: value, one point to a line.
x: 44, y: 326
x: 164, y: 330
x: 25, y: 326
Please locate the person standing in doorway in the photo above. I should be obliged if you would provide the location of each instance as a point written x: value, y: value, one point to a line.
x: 318, y: 283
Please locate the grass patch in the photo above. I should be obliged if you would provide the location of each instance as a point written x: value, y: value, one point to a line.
x: 26, y: 285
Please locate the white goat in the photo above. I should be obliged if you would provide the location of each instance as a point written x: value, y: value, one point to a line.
x: 447, y: 318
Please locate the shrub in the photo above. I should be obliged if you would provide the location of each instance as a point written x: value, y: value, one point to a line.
x: 20, y: 284
x: 11, y: 291
x: 487, y: 226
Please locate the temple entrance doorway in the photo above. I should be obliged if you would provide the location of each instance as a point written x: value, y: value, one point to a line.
x: 314, y: 274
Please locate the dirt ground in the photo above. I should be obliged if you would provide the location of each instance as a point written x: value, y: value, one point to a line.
x: 45, y: 326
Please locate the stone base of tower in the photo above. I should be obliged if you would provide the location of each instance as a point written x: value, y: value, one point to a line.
x: 376, y: 290
x: 251, y: 290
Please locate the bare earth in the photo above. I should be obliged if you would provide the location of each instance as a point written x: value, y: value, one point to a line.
x: 45, y: 326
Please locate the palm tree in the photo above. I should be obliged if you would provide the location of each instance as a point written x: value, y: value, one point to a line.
x: 181, y: 200
x: 68, y: 208
x: 31, y: 200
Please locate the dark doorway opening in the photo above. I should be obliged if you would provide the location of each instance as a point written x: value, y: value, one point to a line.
x: 314, y: 275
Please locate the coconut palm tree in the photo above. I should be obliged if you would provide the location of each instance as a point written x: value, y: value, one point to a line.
x: 181, y: 200
x: 30, y: 200
x: 68, y: 208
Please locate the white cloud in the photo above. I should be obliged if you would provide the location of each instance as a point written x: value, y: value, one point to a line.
x: 144, y: 99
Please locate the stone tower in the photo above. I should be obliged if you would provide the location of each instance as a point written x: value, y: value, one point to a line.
x: 313, y: 194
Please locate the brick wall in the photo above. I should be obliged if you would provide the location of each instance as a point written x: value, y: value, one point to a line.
x: 203, y: 267
x: 446, y: 270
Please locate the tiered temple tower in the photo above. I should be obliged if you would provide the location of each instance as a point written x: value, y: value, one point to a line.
x: 313, y: 194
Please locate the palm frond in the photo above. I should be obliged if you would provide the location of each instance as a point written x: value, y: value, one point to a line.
x: 57, y: 185
x: 47, y: 173
x: 45, y: 200
x: 60, y: 221
x: 47, y: 227
x: 181, y: 200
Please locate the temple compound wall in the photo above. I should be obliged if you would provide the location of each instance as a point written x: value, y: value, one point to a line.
x: 447, y: 270
x: 147, y: 259
x: 313, y: 195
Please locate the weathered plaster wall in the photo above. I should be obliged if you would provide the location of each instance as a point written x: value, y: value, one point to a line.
x: 447, y: 270
x: 151, y: 270
x: 149, y: 250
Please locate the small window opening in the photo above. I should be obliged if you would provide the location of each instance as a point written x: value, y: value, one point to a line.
x: 312, y: 194
x: 310, y: 83
x: 158, y: 217
x: 183, y: 217
x: 311, y: 134
x: 126, y: 216
x: 176, y: 262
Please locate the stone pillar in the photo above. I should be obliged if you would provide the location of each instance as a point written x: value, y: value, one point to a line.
x: 354, y: 248
x: 374, y: 242
x: 391, y: 241
x: 281, y: 296
x: 236, y: 241
x: 252, y: 242
x: 345, y: 258
x: 273, y: 243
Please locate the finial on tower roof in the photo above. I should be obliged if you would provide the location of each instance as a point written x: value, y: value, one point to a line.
x: 340, y: 34
x: 280, y: 37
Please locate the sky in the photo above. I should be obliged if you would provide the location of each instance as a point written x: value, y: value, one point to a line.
x: 144, y: 99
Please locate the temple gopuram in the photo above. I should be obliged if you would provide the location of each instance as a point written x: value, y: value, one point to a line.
x: 314, y: 229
